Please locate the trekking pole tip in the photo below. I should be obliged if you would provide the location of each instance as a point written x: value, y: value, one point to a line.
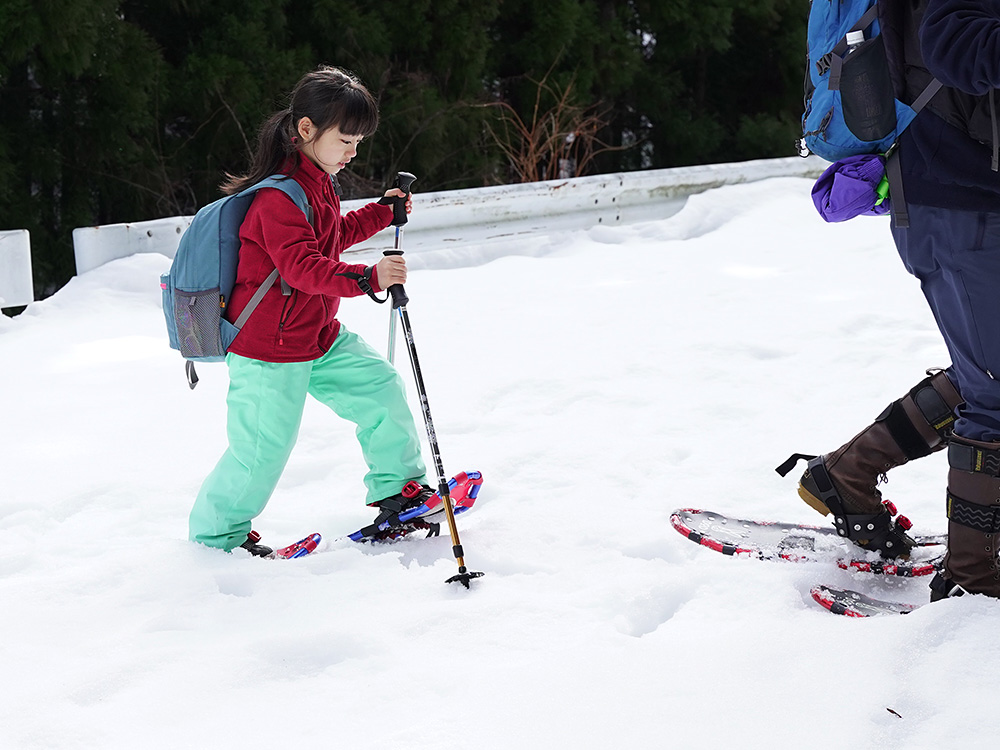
x: 465, y: 578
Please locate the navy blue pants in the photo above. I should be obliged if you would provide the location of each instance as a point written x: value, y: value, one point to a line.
x: 956, y: 257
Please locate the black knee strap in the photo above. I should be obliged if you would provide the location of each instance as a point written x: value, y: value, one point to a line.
x: 972, y: 458
x: 907, y: 437
x: 932, y: 406
x: 984, y: 518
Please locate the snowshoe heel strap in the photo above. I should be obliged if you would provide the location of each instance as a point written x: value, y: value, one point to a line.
x: 788, y: 465
x: 828, y: 494
x: 254, y: 547
x: 414, y: 489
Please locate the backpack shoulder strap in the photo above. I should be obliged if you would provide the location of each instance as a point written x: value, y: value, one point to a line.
x: 892, y: 169
x: 290, y: 187
x: 255, y: 299
x: 898, y: 24
x: 293, y: 190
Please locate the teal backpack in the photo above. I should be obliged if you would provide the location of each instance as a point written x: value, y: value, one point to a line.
x: 200, y: 283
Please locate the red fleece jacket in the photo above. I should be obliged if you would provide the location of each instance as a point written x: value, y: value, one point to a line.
x: 277, y: 234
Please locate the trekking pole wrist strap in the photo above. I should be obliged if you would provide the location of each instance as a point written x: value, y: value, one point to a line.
x: 364, y: 281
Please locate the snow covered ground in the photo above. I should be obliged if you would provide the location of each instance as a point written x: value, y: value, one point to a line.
x: 598, y: 379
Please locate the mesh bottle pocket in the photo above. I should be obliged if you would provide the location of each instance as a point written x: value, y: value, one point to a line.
x: 866, y: 90
x: 198, y: 315
x: 167, y: 292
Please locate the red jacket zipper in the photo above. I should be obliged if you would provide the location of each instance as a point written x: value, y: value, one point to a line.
x: 285, y: 312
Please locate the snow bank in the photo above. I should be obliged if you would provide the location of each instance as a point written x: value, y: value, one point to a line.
x: 598, y: 379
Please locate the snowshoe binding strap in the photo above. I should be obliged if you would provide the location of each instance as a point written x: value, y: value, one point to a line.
x: 384, y: 521
x: 877, y: 532
x: 255, y: 548
x: 944, y: 588
x: 412, y: 495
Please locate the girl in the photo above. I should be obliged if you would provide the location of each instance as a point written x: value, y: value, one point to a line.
x: 293, y: 344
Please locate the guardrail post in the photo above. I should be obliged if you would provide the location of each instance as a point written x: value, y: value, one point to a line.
x: 16, y: 285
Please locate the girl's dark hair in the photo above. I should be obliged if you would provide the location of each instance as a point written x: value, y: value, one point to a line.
x: 328, y: 96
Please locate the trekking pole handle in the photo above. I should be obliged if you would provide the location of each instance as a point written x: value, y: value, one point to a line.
x: 403, y: 181
x: 399, y: 298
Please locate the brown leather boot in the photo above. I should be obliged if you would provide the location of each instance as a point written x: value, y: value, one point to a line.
x: 845, y: 482
x: 970, y: 566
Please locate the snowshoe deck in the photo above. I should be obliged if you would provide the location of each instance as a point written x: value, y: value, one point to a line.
x: 856, y: 604
x: 772, y: 540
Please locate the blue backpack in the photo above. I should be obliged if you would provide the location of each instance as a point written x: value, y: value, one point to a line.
x: 852, y: 83
x: 198, y: 287
x: 851, y: 105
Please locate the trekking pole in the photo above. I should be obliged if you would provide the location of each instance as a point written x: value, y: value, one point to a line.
x: 399, y: 300
x: 403, y: 181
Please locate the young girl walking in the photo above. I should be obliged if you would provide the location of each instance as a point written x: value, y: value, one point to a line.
x: 293, y: 345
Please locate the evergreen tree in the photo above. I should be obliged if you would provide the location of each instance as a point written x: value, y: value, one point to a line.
x: 126, y: 110
x: 722, y: 80
x: 75, y: 87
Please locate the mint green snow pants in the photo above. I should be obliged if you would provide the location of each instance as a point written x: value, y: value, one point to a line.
x: 265, y: 404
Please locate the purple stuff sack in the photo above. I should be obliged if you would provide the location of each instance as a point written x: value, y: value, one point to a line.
x: 849, y: 188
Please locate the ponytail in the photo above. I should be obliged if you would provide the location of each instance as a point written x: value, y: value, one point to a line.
x: 274, y: 145
x: 328, y: 96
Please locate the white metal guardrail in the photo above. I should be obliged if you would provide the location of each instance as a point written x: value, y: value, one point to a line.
x: 16, y: 286
x: 95, y: 246
x: 451, y: 218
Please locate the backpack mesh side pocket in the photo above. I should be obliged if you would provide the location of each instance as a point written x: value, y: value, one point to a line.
x: 197, y: 315
x: 867, y: 93
x: 167, y: 292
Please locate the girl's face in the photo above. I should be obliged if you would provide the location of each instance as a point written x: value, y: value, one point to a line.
x: 332, y: 150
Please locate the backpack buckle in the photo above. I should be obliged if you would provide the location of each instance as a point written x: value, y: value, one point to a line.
x: 823, y: 64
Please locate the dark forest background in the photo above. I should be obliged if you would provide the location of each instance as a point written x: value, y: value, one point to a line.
x: 115, y: 111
